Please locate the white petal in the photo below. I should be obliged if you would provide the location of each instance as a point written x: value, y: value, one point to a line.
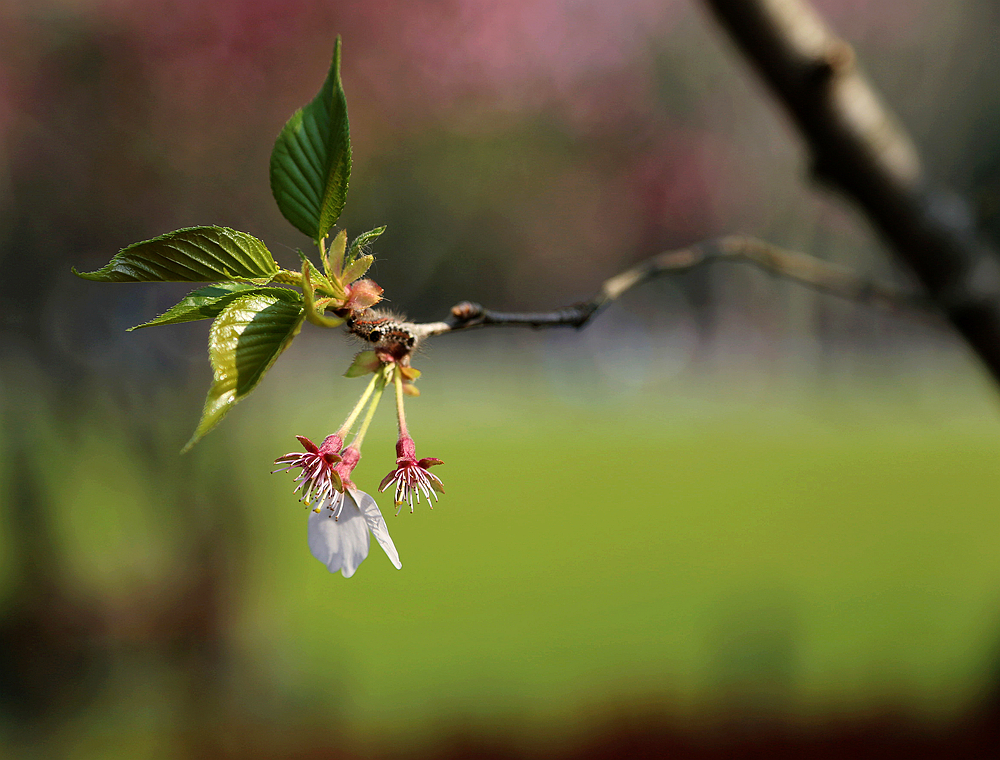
x: 376, y: 524
x: 339, y: 544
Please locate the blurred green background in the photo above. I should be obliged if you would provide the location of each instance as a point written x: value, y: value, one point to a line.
x: 731, y: 513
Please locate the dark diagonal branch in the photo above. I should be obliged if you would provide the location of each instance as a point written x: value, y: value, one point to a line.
x: 858, y: 148
x: 797, y: 267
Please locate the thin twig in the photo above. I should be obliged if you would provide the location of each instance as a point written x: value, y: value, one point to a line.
x: 797, y: 267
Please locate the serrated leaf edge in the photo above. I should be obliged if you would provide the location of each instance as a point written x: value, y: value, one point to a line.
x: 201, y: 431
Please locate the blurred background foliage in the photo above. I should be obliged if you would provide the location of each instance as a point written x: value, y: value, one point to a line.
x: 730, y: 511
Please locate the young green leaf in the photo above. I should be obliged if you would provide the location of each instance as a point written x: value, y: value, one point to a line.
x: 362, y: 240
x: 205, y: 303
x: 333, y: 259
x: 356, y: 261
x: 318, y: 279
x: 311, y: 159
x: 314, y: 311
x: 193, y: 254
x: 245, y: 340
x: 364, y: 363
x: 357, y: 268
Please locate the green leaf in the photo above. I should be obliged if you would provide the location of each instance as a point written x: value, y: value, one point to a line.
x: 193, y: 254
x: 362, y: 240
x: 357, y: 268
x: 245, y: 340
x: 364, y: 363
x: 204, y: 303
x: 311, y: 160
x: 318, y: 279
x: 333, y: 259
x: 356, y: 262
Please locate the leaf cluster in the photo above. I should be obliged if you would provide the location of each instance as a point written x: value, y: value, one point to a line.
x: 257, y: 307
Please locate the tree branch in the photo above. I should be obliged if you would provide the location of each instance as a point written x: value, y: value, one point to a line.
x: 859, y: 149
x: 805, y: 270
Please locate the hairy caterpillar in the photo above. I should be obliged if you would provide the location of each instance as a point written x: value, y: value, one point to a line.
x: 384, y: 331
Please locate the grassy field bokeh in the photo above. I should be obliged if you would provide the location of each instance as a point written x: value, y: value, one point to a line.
x: 829, y: 553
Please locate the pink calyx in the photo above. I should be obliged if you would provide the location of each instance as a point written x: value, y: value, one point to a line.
x: 348, y: 461
x: 412, y: 477
x: 319, y: 479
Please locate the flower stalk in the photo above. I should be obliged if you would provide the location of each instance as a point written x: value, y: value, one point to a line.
x: 411, y: 477
x: 345, y: 429
x: 378, y: 384
x: 397, y: 380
